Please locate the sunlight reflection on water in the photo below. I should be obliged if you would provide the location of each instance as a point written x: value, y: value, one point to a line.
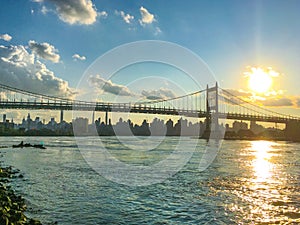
x: 261, y: 165
x: 266, y: 190
x: 249, y: 182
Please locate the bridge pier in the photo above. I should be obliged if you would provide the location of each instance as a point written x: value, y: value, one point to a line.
x: 292, y: 130
x: 61, y: 116
x: 93, y: 117
x: 106, y: 117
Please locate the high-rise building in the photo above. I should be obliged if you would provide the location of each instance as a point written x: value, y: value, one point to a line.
x: 80, y: 125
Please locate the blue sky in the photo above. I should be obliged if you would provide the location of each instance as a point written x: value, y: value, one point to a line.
x: 228, y: 35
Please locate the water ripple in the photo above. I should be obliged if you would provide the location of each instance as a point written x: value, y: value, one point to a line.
x: 250, y: 182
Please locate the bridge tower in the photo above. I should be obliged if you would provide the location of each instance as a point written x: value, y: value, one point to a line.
x: 212, y: 112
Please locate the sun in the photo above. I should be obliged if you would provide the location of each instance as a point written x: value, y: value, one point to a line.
x: 260, y: 80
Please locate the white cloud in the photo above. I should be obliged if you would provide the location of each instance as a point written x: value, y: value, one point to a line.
x: 20, y: 69
x: 5, y: 37
x: 103, y: 14
x: 161, y: 93
x: 157, y: 31
x: 126, y: 17
x: 147, y: 18
x: 78, y: 57
x: 44, y: 10
x: 109, y: 87
x: 76, y: 11
x: 278, y: 102
x: 44, y: 50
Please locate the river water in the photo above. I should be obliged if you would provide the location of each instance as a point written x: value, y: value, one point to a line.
x: 249, y: 182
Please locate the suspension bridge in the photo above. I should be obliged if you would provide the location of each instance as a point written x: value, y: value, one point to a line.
x: 207, y: 103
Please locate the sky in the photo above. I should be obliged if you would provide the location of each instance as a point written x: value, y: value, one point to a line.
x: 51, y: 46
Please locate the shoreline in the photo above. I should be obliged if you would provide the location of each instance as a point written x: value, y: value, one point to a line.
x: 12, y: 206
x: 224, y: 138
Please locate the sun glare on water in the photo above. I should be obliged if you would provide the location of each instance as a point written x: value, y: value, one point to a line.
x: 260, y: 80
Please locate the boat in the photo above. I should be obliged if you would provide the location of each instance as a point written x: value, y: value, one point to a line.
x: 26, y: 145
x: 39, y: 146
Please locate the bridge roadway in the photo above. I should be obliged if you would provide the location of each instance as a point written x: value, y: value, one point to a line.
x: 136, y: 108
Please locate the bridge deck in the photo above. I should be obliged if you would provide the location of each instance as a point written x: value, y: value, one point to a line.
x: 130, y: 108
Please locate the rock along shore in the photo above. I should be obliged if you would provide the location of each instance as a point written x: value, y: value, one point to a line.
x: 12, y: 207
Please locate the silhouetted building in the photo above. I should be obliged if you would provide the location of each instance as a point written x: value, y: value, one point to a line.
x: 256, y: 128
x: 170, y: 130
x: 122, y: 128
x: 236, y: 126
x: 80, y: 125
x: 158, y: 128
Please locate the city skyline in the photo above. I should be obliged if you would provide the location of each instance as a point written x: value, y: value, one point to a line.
x: 157, y: 127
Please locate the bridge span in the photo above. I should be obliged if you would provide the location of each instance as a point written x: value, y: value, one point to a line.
x: 212, y: 102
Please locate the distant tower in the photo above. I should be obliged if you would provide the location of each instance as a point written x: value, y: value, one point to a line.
x: 106, y: 117
x: 61, y: 116
x: 28, y: 121
x: 93, y: 118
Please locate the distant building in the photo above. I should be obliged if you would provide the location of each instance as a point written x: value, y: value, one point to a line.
x: 52, y: 124
x: 256, y: 128
x: 80, y: 125
x: 122, y: 128
x: 27, y: 123
x: 158, y: 128
x: 236, y: 126
x: 227, y: 127
x: 170, y: 130
x: 64, y: 127
x: 7, y: 125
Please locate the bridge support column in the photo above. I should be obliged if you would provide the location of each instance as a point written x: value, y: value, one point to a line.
x: 216, y: 133
x: 292, y: 130
x: 106, y: 117
x: 93, y: 118
x: 61, y: 116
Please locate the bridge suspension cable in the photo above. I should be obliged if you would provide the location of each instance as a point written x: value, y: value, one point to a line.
x: 251, y: 107
x: 197, y: 104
